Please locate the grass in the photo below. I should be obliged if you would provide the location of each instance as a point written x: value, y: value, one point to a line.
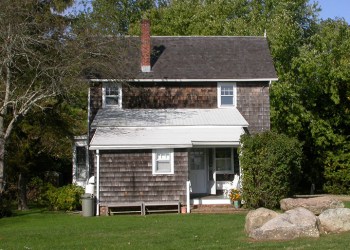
x: 37, y: 229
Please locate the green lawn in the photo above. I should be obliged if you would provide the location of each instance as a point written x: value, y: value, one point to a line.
x: 46, y: 230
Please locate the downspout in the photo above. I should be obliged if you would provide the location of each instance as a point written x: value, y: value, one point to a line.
x: 98, y: 183
x: 188, y: 201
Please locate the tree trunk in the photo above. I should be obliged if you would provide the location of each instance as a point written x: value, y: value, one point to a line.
x: 2, y: 158
x: 22, y: 192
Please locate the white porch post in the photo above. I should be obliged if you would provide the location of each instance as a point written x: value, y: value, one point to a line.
x: 188, y: 201
x: 98, y: 183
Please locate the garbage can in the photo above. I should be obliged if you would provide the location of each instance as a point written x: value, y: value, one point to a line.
x: 88, y: 205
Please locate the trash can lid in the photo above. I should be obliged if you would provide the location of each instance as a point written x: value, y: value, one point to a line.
x: 86, y: 196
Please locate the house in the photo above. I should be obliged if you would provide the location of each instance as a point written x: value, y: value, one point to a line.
x: 179, y: 120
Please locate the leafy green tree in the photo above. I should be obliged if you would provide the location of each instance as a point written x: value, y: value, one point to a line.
x: 42, y: 142
x: 312, y: 102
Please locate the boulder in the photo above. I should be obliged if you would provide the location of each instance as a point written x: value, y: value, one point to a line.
x: 335, y: 220
x: 257, y: 218
x: 316, y: 205
x: 295, y: 223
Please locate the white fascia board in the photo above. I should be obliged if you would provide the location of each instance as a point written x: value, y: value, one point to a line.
x: 188, y: 80
x: 214, y: 144
x: 125, y: 147
x: 177, y: 126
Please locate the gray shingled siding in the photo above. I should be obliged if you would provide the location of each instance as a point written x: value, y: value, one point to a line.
x: 252, y: 99
x: 170, y: 95
x: 126, y: 176
x: 254, y: 104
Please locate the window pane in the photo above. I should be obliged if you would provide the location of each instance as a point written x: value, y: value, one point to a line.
x: 112, y: 100
x: 223, y: 164
x: 81, y: 171
x: 112, y: 95
x: 112, y: 91
x: 196, y: 160
x: 163, y: 156
x: 226, y: 100
x: 227, y: 90
x: 223, y: 159
x: 163, y: 167
x: 223, y: 153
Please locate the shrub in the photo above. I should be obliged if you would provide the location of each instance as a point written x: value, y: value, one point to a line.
x: 64, y: 198
x: 45, y: 194
x: 271, y: 167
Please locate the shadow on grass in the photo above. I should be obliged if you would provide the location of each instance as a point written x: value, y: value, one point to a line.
x: 16, y: 213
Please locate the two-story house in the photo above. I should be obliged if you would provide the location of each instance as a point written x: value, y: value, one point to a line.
x: 180, y: 119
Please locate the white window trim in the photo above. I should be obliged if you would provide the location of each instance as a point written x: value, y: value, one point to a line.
x: 220, y: 84
x: 154, y: 162
x: 105, y: 85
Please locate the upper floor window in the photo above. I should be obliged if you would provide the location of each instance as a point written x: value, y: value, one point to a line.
x: 227, y: 95
x: 112, y: 95
x: 163, y: 161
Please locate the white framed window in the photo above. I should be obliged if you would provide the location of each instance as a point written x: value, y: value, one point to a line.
x: 227, y: 94
x: 224, y: 160
x: 163, y: 161
x: 112, y: 95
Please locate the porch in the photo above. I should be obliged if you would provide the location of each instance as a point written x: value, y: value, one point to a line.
x: 205, y: 199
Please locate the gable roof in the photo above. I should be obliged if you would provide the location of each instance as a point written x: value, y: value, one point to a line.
x: 197, y: 58
x: 210, y: 58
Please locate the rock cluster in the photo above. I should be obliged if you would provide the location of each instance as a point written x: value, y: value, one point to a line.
x: 265, y: 224
x: 316, y: 205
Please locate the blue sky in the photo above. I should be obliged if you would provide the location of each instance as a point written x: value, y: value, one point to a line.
x: 334, y: 8
x: 330, y: 8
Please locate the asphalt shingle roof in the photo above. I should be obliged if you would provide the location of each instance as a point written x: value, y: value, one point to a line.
x: 210, y: 58
x: 199, y: 58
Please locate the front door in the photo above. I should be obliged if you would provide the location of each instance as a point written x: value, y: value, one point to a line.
x: 198, y: 170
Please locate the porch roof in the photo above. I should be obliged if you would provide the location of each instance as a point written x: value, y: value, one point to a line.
x: 109, y: 138
x: 116, y: 117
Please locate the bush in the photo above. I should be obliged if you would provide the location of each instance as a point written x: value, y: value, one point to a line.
x: 271, y: 167
x: 337, y: 172
x: 64, y: 198
x: 46, y: 195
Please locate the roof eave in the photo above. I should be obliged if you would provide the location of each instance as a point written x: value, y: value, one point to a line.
x: 186, y: 80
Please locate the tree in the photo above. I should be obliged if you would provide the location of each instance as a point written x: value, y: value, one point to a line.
x: 118, y: 17
x: 287, y: 23
x: 42, y: 142
x: 34, y: 63
x: 312, y: 102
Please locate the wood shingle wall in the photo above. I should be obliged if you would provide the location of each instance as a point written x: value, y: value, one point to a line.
x: 253, y: 103
x: 170, y: 95
x: 126, y: 176
x: 252, y: 99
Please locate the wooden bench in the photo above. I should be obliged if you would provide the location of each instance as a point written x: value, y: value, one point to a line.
x: 126, y: 208
x: 162, y: 206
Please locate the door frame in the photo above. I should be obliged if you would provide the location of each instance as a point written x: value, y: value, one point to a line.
x: 204, y: 184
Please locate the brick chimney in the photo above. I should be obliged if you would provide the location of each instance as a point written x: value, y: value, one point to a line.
x: 145, y: 46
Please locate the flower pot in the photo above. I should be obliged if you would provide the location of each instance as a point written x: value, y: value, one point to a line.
x: 237, y: 204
